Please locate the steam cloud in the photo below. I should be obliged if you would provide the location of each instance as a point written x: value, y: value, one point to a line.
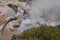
x: 42, y: 11
x: 45, y: 11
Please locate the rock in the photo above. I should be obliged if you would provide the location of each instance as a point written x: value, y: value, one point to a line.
x: 6, y: 35
x: 24, y: 0
x: 14, y: 25
x: 2, y: 18
x: 9, y: 19
x: 6, y: 28
x: 6, y: 10
x: 9, y: 11
x: 7, y: 1
x: 14, y: 7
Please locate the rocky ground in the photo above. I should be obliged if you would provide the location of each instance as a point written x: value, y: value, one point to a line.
x: 8, y: 10
x: 19, y: 15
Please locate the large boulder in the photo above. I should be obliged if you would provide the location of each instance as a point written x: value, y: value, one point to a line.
x: 5, y: 11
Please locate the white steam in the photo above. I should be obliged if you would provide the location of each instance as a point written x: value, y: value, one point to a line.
x: 45, y: 11
x: 41, y: 11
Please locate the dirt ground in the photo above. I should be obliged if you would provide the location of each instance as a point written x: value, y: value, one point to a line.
x: 6, y: 34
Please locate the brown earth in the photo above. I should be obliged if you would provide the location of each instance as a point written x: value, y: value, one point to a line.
x: 2, y: 5
x: 6, y: 35
x: 2, y: 19
x: 2, y: 15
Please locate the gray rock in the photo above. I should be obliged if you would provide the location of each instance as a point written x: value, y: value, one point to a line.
x: 7, y: 10
x: 9, y: 19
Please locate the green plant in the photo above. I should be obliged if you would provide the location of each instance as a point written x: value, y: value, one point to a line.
x: 40, y: 33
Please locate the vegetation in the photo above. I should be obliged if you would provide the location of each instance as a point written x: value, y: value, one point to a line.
x: 40, y: 33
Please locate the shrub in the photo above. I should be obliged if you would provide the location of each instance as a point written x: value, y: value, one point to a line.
x: 40, y: 33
